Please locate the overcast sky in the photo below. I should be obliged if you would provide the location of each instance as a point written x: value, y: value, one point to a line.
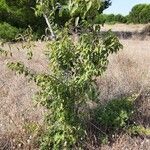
x: 123, y: 6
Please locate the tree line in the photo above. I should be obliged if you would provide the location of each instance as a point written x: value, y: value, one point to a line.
x: 139, y: 14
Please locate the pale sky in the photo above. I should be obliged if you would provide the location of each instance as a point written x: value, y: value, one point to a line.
x: 123, y: 6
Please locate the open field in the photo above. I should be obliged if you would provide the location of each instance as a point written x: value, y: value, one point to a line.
x: 128, y: 72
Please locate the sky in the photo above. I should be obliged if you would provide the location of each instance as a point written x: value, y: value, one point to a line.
x: 123, y: 6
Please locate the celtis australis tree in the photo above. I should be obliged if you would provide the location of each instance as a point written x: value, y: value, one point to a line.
x: 74, y: 66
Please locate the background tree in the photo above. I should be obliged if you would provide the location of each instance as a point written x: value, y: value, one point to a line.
x: 55, y: 11
x: 140, y: 14
x: 21, y: 14
x: 120, y: 19
x: 145, y: 14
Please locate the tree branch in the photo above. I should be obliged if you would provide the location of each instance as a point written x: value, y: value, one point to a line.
x: 49, y: 26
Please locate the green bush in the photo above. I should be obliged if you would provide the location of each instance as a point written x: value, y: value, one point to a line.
x: 121, y: 19
x: 8, y: 32
x: 115, y: 114
x: 116, y: 18
x: 100, y: 19
x: 110, y: 18
x: 70, y: 83
x: 139, y: 130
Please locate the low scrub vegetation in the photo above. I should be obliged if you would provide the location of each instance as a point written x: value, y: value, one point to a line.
x: 8, y: 32
x: 116, y: 114
x: 111, y: 19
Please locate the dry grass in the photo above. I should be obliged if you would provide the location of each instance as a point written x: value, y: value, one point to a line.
x: 125, y: 142
x: 128, y: 72
x: 124, y: 27
x: 16, y: 106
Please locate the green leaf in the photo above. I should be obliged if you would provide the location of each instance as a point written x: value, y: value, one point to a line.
x: 88, y: 6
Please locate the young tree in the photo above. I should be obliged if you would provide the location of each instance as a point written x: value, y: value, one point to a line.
x: 71, y: 82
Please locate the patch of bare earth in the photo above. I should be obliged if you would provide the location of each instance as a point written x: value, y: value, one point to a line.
x: 128, y: 72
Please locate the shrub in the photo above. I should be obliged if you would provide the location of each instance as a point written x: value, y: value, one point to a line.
x: 8, y: 32
x: 120, y: 19
x: 112, y: 19
x: 71, y: 82
x: 139, y: 130
x: 100, y: 19
x: 116, y: 113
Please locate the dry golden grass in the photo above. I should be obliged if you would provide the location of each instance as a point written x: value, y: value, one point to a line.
x: 124, y: 27
x: 128, y: 72
x: 16, y: 106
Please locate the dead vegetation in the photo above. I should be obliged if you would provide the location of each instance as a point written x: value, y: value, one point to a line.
x: 128, y: 72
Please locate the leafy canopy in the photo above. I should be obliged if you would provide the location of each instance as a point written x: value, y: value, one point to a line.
x: 140, y: 13
x: 85, y: 9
